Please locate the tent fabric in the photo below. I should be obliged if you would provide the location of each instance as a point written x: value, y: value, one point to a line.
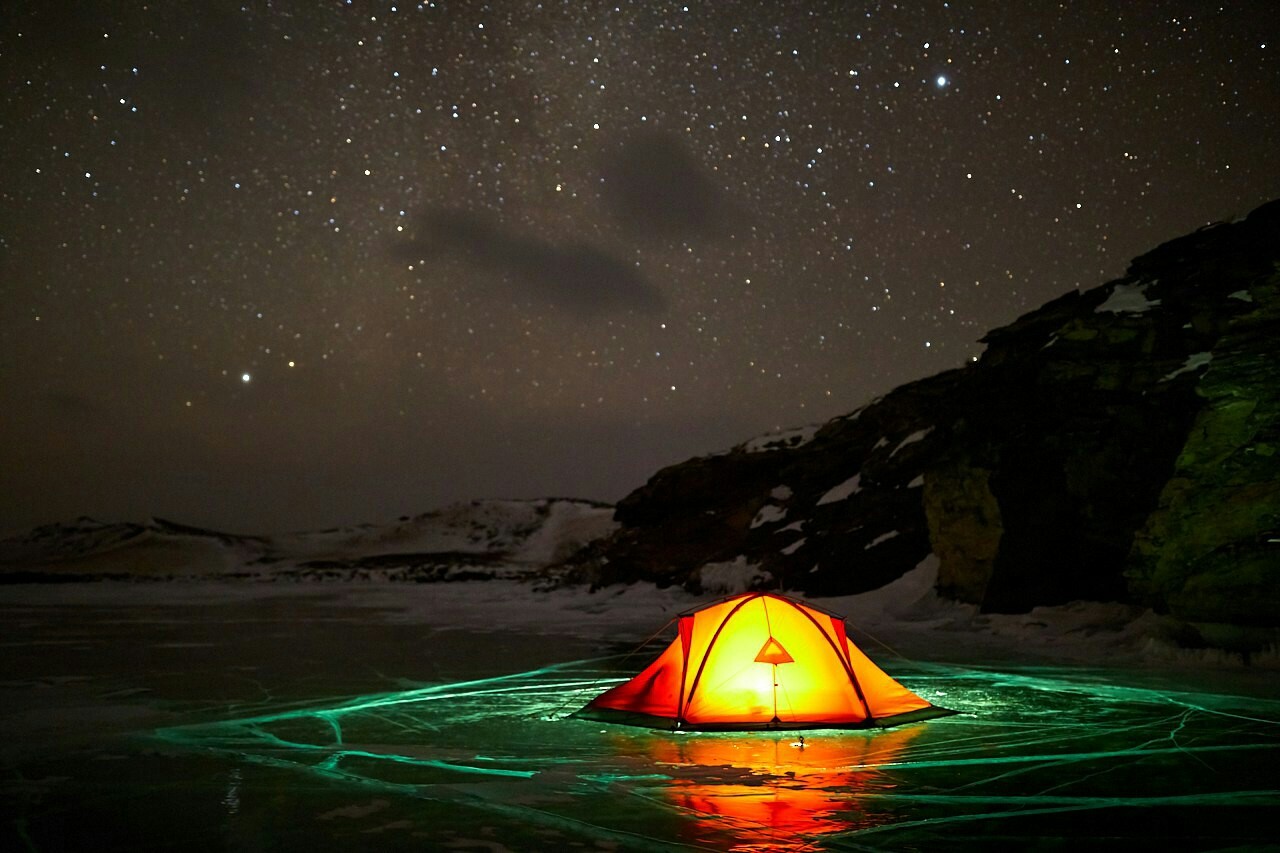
x: 760, y: 661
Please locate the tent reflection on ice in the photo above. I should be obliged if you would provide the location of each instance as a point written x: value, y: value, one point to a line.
x: 760, y: 661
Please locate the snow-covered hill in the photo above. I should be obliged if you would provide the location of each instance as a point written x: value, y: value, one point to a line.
x: 479, y: 539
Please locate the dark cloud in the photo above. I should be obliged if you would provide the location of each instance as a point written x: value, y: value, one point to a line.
x: 654, y: 187
x: 576, y: 276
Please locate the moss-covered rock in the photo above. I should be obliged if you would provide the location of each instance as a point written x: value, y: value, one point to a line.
x: 1211, y: 549
x: 965, y: 528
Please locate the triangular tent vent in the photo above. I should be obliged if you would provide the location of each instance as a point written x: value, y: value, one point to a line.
x: 773, y: 652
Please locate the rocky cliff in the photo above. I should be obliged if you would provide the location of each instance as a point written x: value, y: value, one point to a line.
x: 1119, y: 443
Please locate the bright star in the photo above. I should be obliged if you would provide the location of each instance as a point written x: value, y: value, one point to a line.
x: 941, y: 81
x: 244, y: 377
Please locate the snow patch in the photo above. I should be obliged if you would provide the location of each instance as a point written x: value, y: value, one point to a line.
x: 795, y: 525
x: 794, y: 546
x: 768, y: 514
x: 918, y: 435
x: 1195, y: 361
x: 568, y: 527
x: 784, y: 439
x: 731, y: 578
x: 845, y: 490
x: 883, y: 537
x: 1128, y: 299
x: 916, y: 483
x: 1242, y: 295
x: 781, y: 493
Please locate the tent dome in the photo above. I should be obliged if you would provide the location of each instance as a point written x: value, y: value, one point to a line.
x: 760, y: 661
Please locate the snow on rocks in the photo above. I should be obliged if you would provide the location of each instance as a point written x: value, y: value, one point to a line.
x: 768, y: 514
x: 729, y: 578
x: 883, y: 537
x: 794, y: 546
x: 918, y: 435
x: 1128, y: 299
x: 789, y: 438
x: 568, y: 526
x: 1195, y: 361
x: 847, y: 489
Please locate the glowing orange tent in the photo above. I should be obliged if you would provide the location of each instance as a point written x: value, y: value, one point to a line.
x: 760, y: 661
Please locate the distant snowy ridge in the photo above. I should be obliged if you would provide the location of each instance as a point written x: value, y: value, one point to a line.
x: 475, y: 540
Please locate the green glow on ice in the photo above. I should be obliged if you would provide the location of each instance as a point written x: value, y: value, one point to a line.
x: 1042, y: 744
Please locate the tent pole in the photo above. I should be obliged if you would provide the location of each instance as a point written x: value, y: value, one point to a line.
x: 775, y: 694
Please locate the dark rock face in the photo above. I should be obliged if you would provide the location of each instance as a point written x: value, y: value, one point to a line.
x: 1118, y: 444
x: 831, y: 510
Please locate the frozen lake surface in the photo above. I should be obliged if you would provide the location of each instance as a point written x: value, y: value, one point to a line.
x: 288, y: 717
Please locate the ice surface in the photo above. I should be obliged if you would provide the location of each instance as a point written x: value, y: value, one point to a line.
x: 403, y: 716
x: 1077, y: 756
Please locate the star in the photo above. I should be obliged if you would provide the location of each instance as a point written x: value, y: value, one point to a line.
x: 462, y: 233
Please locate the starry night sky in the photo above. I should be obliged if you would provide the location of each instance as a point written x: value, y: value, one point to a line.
x: 285, y: 265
